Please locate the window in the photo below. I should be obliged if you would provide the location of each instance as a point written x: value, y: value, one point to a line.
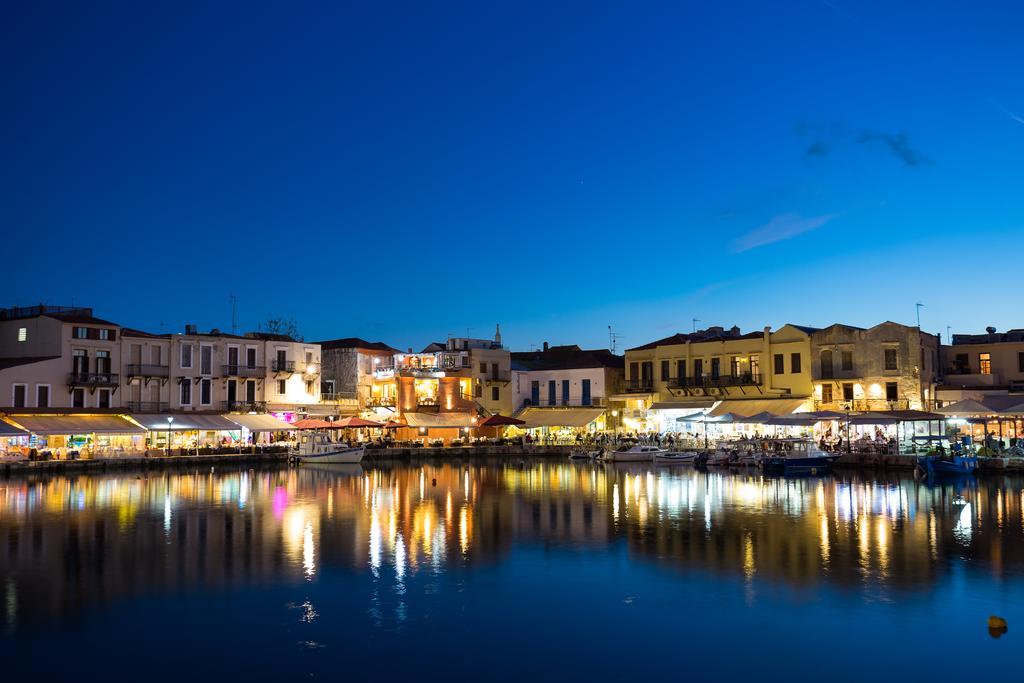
x: 494, y: 370
x: 716, y: 368
x: 892, y: 359
x: 1020, y: 361
x: 103, y: 398
x: 79, y: 361
x: 327, y: 387
x: 846, y: 360
x: 680, y: 369
x: 250, y: 357
x: 848, y: 391
x: 309, y: 357
x: 698, y: 367
x: 794, y: 363
x: 104, y: 335
x: 551, y: 392
x: 892, y: 391
x: 985, y: 363
x: 282, y: 387
x: 78, y: 398
x: 734, y: 366
x: 495, y: 394
x: 81, y: 333
x: 478, y: 390
x: 186, y: 355
x: 206, y: 392
x: 22, y: 334
x: 827, y: 371
x: 185, y: 395
x: 250, y: 391
x: 826, y: 393
x: 634, y: 371
x: 755, y: 368
x: 585, y: 392
x: 565, y: 392
x: 535, y: 392
x: 483, y: 368
x: 664, y: 370
x: 20, y: 391
x: 780, y: 364
x: 465, y: 361
x: 102, y: 362
x: 206, y: 360
x: 42, y: 396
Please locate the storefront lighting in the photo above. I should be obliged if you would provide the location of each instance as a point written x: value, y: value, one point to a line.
x: 311, y: 369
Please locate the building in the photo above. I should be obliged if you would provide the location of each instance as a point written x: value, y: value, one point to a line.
x: 982, y: 365
x: 565, y: 388
x: 347, y: 378
x: 713, y: 372
x: 293, y: 375
x: 886, y: 367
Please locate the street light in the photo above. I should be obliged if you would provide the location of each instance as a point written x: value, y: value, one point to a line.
x: 170, y: 421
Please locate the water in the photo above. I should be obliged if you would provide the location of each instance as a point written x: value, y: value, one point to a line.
x: 504, y: 570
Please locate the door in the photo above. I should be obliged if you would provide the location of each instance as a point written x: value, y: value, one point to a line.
x: 551, y: 392
x: 535, y: 393
x: 585, y: 387
x: 232, y: 389
x: 250, y: 390
x: 250, y: 358
x: 233, y: 360
x: 565, y: 392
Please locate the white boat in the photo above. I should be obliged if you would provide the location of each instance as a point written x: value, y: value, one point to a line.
x: 635, y: 454
x: 721, y: 456
x: 675, y: 457
x: 585, y: 455
x: 319, y: 448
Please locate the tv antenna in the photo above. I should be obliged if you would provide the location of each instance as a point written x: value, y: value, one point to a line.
x: 234, y: 317
x: 695, y: 321
x: 919, y: 306
x: 613, y: 339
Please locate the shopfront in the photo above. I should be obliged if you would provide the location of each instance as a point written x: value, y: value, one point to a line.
x: 59, y: 437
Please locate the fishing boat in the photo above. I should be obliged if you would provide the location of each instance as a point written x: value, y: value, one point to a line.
x: 671, y: 457
x: 585, y: 455
x: 320, y: 448
x: 637, y: 453
x: 721, y: 457
x: 797, y: 456
x: 956, y: 465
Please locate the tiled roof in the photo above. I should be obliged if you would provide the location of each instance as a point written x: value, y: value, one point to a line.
x: 78, y: 318
x: 15, y: 362
x: 130, y: 332
x: 355, y: 343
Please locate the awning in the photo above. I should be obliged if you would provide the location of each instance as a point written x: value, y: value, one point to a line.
x: 45, y: 425
x: 559, y: 417
x: 967, y: 407
x: 775, y: 406
x: 260, y: 423
x: 440, y: 420
x: 185, y: 423
x: 8, y: 430
x: 873, y: 419
x: 691, y: 406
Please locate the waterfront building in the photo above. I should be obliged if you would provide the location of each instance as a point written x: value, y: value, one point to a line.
x: 983, y: 365
x: 886, y: 367
x: 347, y: 380
x: 713, y: 372
x: 293, y: 375
x: 146, y: 370
x: 560, y: 390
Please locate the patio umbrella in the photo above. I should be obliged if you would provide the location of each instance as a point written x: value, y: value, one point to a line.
x: 501, y: 421
x: 356, y: 422
x: 310, y: 423
x: 828, y: 415
x: 966, y: 407
x: 391, y: 424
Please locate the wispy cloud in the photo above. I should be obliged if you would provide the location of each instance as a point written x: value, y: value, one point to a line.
x: 1015, y: 117
x: 898, y: 144
x: 818, y: 148
x: 782, y: 227
x: 838, y: 9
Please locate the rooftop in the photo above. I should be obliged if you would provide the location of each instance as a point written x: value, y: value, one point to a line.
x: 1015, y: 335
x: 355, y: 343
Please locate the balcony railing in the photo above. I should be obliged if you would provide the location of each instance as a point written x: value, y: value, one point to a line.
x: 863, y: 404
x: 245, y: 406
x: 500, y: 377
x: 278, y: 365
x: 743, y: 379
x: 336, y: 395
x: 93, y: 379
x: 838, y: 373
x: 381, y: 402
x: 243, y: 371
x: 146, y: 406
x: 638, y: 386
x: 573, y: 402
x: 144, y: 370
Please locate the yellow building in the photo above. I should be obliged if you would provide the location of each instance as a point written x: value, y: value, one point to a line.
x: 716, y: 371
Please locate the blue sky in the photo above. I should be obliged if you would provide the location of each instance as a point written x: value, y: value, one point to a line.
x: 406, y: 171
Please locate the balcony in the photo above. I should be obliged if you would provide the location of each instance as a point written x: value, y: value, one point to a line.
x: 280, y: 365
x: 146, y: 406
x: 573, y: 402
x: 381, y: 402
x: 243, y: 371
x: 500, y: 378
x: 833, y: 373
x: 143, y: 370
x: 863, y: 404
x: 245, y: 406
x: 743, y: 379
x: 93, y: 379
x: 331, y: 396
x: 638, y: 386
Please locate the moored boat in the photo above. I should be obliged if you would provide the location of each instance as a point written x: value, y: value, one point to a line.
x: 585, y: 455
x: 320, y: 448
x: 638, y: 453
x: 797, y: 456
x: 951, y: 466
x: 675, y: 457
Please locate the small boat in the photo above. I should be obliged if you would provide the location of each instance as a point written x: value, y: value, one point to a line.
x: 675, y: 457
x: 585, y: 455
x: 637, y: 453
x: 319, y: 448
x: 797, y: 456
x: 721, y: 457
x: 948, y: 466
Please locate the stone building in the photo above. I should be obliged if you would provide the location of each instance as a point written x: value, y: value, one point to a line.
x: 349, y: 366
x: 886, y: 367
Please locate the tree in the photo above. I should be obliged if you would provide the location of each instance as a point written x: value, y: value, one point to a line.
x: 285, y: 326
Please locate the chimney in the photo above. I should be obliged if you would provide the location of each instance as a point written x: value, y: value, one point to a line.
x: 191, y: 329
x: 410, y: 349
x: 545, y: 347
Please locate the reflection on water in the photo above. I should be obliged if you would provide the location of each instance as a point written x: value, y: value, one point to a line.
x: 71, y: 547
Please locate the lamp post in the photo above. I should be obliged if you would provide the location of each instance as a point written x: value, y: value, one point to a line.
x: 170, y: 421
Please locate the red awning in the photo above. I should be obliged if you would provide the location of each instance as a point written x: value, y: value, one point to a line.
x: 391, y: 424
x: 310, y: 423
x: 354, y: 421
x: 501, y: 421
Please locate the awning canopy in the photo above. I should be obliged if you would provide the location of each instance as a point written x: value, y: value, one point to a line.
x: 501, y: 421
x: 873, y: 419
x: 559, y: 417
x: 440, y: 420
x: 312, y: 424
x: 260, y: 423
x: 185, y: 423
x: 8, y: 430
x: 775, y: 406
x: 45, y: 425
x: 692, y: 405
x: 967, y: 407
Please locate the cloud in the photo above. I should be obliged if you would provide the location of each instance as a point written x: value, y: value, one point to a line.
x: 839, y: 10
x: 898, y: 145
x: 819, y: 148
x: 1015, y: 117
x: 782, y: 227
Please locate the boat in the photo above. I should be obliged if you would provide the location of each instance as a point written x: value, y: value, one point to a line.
x: 585, y: 455
x: 948, y: 466
x: 720, y: 457
x: 797, y: 456
x: 675, y: 457
x: 320, y: 448
x: 638, y: 453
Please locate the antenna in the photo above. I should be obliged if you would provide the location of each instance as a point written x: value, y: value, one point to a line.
x: 613, y: 339
x: 695, y: 321
x: 949, y: 337
x: 919, y: 306
x: 234, y: 319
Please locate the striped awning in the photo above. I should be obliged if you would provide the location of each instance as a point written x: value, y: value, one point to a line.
x: 259, y: 423
x: 46, y: 425
x: 440, y: 420
x: 559, y: 417
x: 775, y: 406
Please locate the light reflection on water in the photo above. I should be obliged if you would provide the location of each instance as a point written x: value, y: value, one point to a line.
x: 73, y: 545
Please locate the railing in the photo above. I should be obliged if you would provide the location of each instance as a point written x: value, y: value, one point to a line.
x: 638, y: 386
x: 863, y: 404
x: 146, y: 406
x: 500, y: 377
x: 833, y: 373
x: 336, y: 395
x: 94, y: 379
x: 144, y: 370
x: 573, y: 402
x: 382, y: 402
x: 243, y: 371
x: 245, y: 406
x: 744, y: 379
x: 278, y: 365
